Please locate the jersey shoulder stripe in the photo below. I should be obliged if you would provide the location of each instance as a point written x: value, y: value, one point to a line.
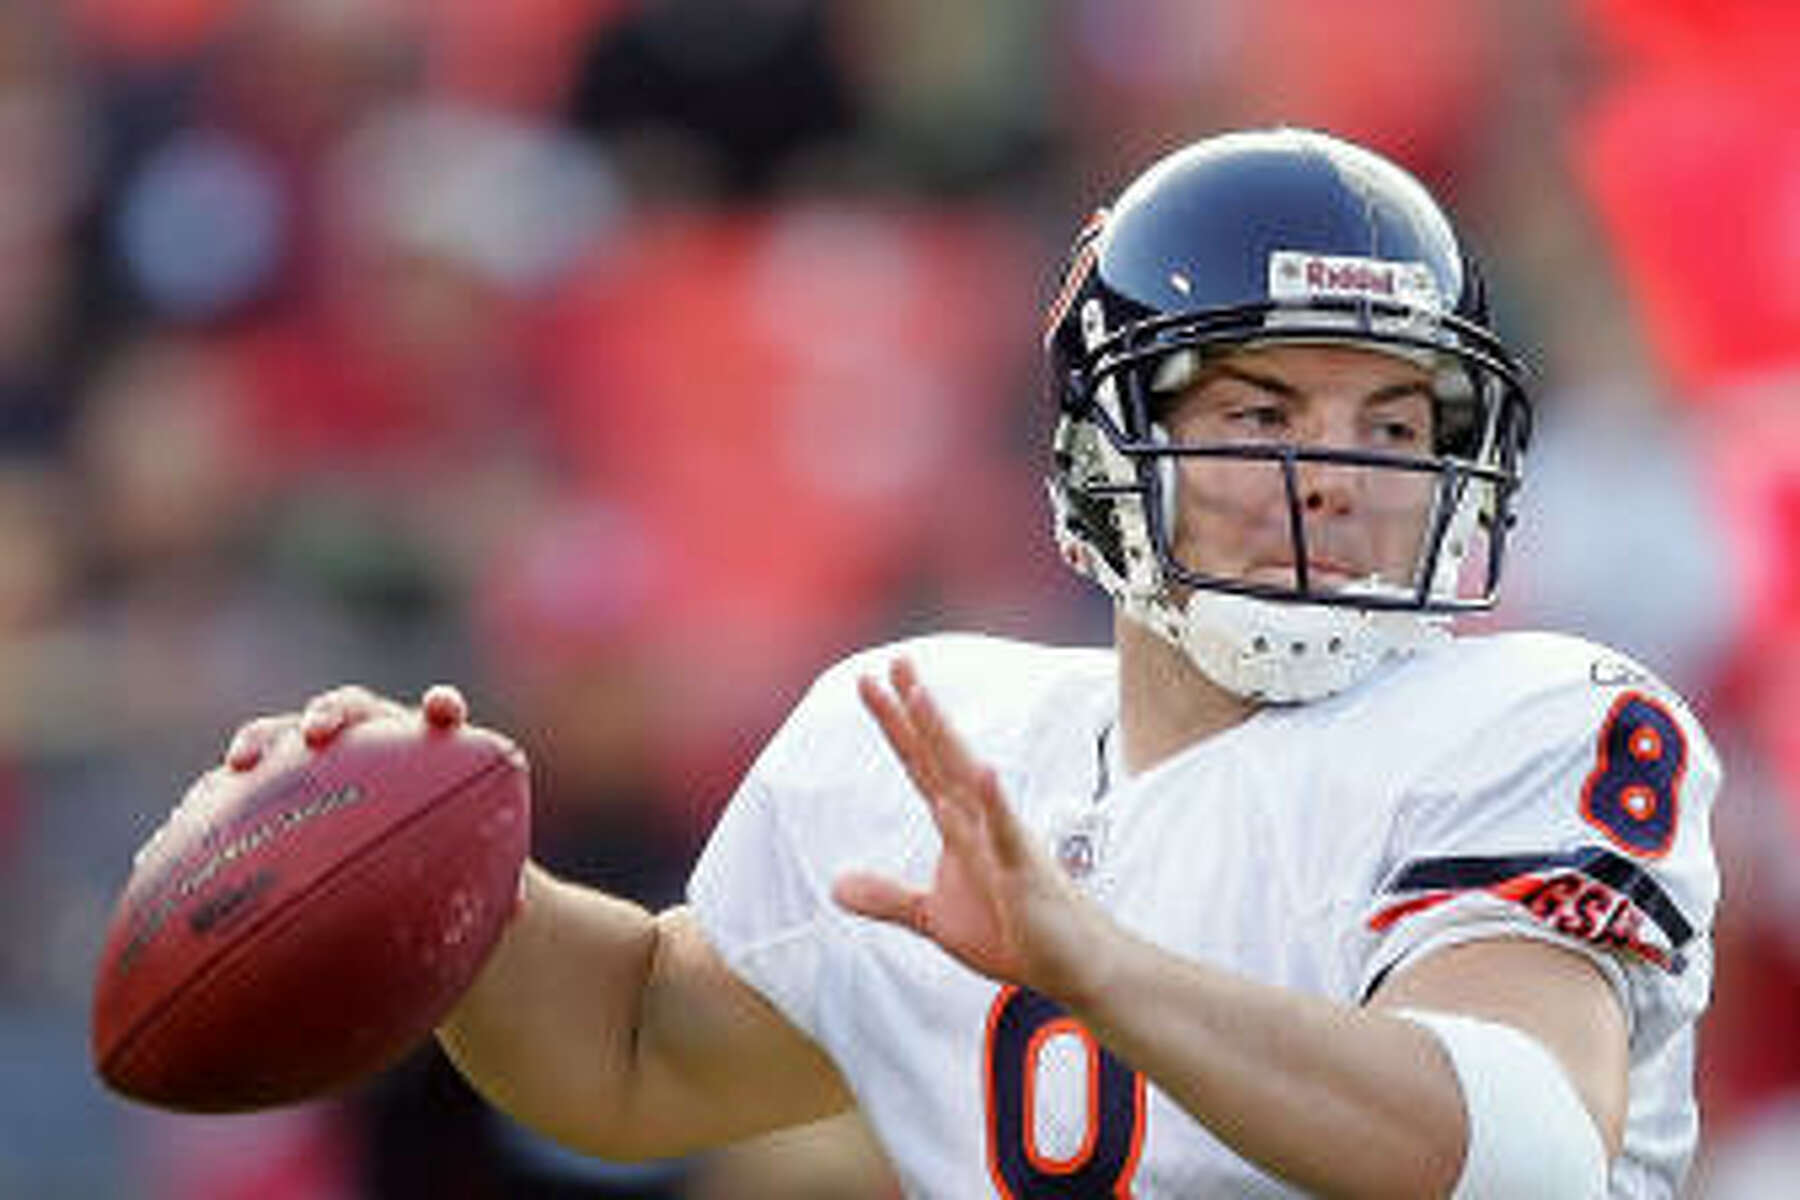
x: 1591, y: 893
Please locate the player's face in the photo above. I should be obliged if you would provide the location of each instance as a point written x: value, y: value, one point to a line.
x: 1233, y: 518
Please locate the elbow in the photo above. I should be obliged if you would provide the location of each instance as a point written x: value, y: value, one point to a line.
x: 1526, y: 1130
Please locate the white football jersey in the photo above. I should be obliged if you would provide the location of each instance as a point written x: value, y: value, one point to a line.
x: 1520, y: 784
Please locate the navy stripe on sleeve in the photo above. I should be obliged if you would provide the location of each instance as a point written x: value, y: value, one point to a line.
x: 1458, y: 872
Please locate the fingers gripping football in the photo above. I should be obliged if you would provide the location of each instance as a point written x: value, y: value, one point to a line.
x: 253, y: 738
x: 328, y: 714
x: 313, y: 907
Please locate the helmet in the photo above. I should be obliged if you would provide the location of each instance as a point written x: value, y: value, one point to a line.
x: 1235, y: 243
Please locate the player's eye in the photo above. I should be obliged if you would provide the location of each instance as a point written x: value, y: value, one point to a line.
x: 1399, y: 433
x: 1257, y: 418
x: 1401, y: 424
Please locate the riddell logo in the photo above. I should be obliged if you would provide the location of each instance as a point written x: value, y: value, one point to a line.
x: 1301, y: 275
x: 1356, y: 278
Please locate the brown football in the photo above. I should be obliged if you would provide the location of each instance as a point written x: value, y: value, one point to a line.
x: 296, y: 928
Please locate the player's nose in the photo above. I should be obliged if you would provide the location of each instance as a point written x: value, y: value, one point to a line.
x: 1323, y: 487
x: 1327, y: 489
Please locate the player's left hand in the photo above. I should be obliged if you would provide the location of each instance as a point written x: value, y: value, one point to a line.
x: 997, y: 901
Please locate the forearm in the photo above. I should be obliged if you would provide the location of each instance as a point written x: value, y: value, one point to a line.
x: 1337, y: 1099
x: 548, y: 1031
x: 623, y: 1034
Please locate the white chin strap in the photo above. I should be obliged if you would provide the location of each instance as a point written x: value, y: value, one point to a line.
x: 1284, y: 653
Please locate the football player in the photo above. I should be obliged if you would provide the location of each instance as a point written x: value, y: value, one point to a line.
x: 1289, y: 889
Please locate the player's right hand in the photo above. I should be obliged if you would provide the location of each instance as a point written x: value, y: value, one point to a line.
x: 328, y: 714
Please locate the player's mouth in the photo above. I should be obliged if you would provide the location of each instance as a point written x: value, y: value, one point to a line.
x: 1322, y: 574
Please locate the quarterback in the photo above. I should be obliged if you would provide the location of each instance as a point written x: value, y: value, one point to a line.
x: 1288, y: 891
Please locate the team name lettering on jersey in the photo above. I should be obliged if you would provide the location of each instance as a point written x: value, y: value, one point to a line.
x: 1591, y: 894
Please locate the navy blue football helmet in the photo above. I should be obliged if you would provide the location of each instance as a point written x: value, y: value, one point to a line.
x: 1242, y: 241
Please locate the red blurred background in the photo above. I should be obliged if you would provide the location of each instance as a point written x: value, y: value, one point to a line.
x: 629, y: 360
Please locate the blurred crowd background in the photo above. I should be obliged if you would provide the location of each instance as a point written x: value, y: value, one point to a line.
x: 626, y: 361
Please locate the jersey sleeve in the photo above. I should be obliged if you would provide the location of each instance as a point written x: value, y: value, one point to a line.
x: 1579, y: 814
x: 761, y: 887
x: 758, y: 904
